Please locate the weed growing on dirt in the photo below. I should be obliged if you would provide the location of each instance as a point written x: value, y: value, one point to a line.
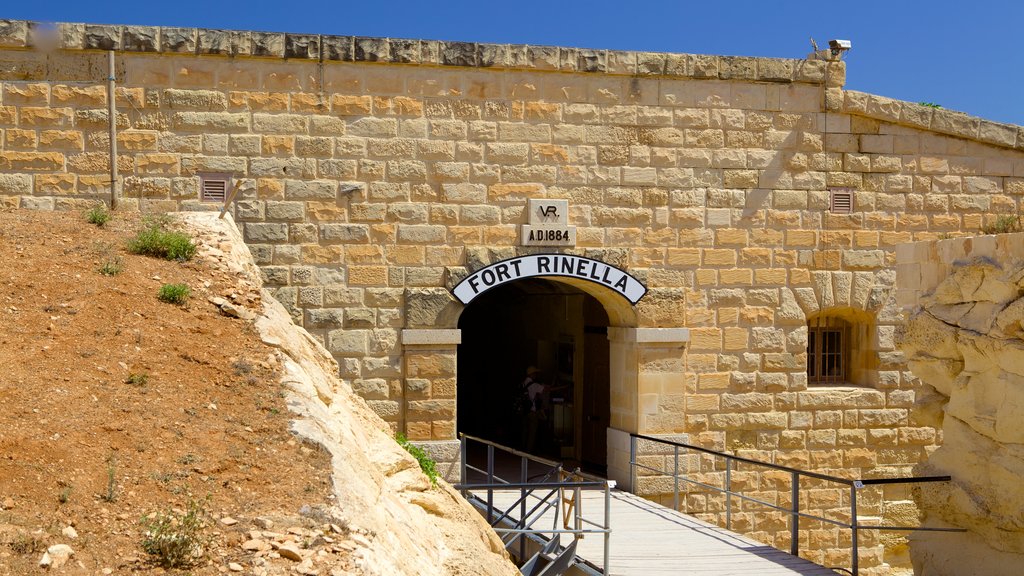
x: 242, y: 367
x: 136, y: 379
x: 427, y: 463
x: 111, y: 494
x: 26, y: 544
x: 98, y: 215
x: 65, y: 493
x: 155, y: 240
x: 176, y: 539
x: 174, y: 293
x: 1003, y: 224
x: 111, y: 266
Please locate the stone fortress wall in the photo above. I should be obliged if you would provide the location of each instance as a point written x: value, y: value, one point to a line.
x: 375, y: 173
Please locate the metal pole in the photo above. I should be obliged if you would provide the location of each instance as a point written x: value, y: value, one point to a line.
x: 490, y: 482
x: 578, y: 523
x: 463, y: 463
x: 675, y: 481
x: 794, y: 527
x: 853, y: 529
x: 728, y: 493
x: 632, y: 464
x: 607, y: 525
x: 523, y: 477
x: 112, y: 118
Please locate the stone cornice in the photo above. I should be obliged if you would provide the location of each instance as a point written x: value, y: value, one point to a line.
x: 932, y: 119
x: 21, y: 34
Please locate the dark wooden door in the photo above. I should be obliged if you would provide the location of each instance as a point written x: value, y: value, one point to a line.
x: 596, y: 406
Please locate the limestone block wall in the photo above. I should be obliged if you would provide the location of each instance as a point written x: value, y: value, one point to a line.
x: 964, y: 340
x: 375, y: 173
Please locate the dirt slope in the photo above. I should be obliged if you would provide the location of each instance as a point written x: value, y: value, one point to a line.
x: 203, y: 417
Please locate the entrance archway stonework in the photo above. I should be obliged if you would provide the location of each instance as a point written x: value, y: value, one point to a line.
x: 648, y: 388
x: 429, y: 395
x: 647, y: 368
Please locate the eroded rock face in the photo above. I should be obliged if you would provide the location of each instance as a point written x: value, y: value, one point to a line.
x: 412, y: 526
x: 964, y: 341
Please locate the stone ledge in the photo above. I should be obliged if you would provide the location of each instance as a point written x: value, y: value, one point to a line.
x: 428, y: 337
x: 670, y: 336
x: 318, y: 47
x: 938, y: 120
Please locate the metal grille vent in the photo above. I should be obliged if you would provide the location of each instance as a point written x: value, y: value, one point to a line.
x: 841, y: 202
x: 214, y: 187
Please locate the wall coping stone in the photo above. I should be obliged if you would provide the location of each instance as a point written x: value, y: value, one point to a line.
x: 949, y: 122
x: 431, y: 337
x: 325, y: 48
x: 922, y: 266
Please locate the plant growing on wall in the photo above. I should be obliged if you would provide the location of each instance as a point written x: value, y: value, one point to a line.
x: 1004, y: 224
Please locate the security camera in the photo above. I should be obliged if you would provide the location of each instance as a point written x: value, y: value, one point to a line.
x: 839, y: 47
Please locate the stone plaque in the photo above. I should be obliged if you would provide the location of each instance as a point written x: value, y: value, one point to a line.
x: 548, y: 224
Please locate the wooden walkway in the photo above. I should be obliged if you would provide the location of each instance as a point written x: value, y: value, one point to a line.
x: 649, y: 540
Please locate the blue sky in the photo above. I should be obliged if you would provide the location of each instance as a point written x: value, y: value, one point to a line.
x: 963, y: 55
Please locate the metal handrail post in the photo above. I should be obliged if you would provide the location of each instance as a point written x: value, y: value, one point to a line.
x: 853, y: 529
x: 675, y: 480
x: 632, y: 464
x: 523, y: 477
x: 728, y: 493
x: 794, y: 528
x: 578, y: 523
x: 463, y: 462
x: 490, y: 481
x: 607, y: 525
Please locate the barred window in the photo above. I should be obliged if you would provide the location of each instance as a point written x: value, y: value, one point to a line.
x: 828, y: 351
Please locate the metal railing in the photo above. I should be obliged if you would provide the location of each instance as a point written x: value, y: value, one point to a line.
x: 794, y: 510
x: 550, y: 490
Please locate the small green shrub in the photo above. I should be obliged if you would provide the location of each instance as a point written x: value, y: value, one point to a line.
x: 1003, y: 225
x: 930, y: 104
x: 155, y: 240
x: 176, y: 539
x: 98, y: 215
x: 137, y: 379
x: 112, y: 266
x: 175, y: 293
x: 427, y: 463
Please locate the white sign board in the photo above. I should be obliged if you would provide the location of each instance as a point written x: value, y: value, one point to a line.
x: 541, y: 265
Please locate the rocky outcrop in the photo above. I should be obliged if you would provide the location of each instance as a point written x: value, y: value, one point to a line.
x: 412, y: 527
x: 965, y: 341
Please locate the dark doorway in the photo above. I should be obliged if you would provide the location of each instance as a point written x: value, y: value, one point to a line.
x: 563, y: 333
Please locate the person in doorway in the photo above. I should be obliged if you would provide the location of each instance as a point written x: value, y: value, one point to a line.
x: 535, y: 415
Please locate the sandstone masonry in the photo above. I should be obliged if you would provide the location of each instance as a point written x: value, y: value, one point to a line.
x: 374, y: 174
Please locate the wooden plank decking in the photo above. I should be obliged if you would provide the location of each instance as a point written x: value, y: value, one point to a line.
x: 650, y: 540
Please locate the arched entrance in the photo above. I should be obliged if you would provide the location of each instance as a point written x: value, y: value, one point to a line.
x: 562, y: 331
